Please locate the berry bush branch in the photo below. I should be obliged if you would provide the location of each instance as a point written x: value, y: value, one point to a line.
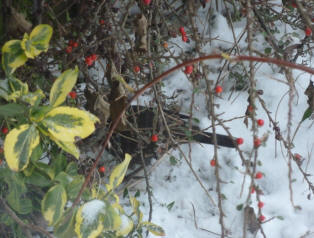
x: 168, y: 72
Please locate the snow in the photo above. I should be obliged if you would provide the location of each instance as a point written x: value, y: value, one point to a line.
x: 91, y: 210
x: 193, y: 214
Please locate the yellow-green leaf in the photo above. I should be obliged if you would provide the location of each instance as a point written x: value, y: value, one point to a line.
x: 13, y: 56
x: 136, y: 209
x: 90, y: 219
x: 66, y: 123
x: 33, y: 98
x: 18, y: 146
x: 68, y: 146
x: 62, y: 86
x: 17, y: 89
x: 119, y: 171
x: 65, y: 226
x: 37, y: 41
x: 52, y: 205
x: 126, y: 226
x: 154, y: 229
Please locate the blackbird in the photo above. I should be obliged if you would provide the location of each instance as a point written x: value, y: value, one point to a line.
x: 143, y: 122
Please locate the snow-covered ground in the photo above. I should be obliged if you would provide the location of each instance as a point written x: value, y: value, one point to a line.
x: 180, y: 204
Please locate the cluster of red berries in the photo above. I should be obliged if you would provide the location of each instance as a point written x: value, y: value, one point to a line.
x: 89, y: 60
x: 183, y: 34
x: 72, y: 44
x: 188, y: 69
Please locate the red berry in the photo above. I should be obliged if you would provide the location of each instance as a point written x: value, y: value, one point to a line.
x: 213, y: 163
x: 308, y: 31
x: 101, y: 169
x: 297, y: 156
x: 188, y: 69
x: 240, y: 141
x: 154, y: 138
x: 72, y: 94
x: 261, y: 218
x: 260, y: 122
x: 259, y: 175
x: 75, y: 44
x: 137, y: 69
x: 182, y: 31
x: 218, y: 89
x: 250, y: 108
x: 260, y: 204
x: 257, y: 142
x: 101, y: 22
x: 184, y: 38
x: 5, y: 130
x: 252, y: 190
x: 146, y: 2
x: 89, y: 61
x: 68, y: 49
x: 94, y: 57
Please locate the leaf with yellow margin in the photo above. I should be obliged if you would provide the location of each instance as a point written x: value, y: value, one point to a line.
x: 37, y: 41
x: 90, y: 219
x: 52, y: 205
x: 62, y: 86
x: 118, y: 173
x: 66, y: 123
x: 13, y: 56
x: 18, y: 146
x: 154, y: 229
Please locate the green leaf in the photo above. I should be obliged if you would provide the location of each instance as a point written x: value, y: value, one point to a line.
x: 65, y: 227
x: 52, y: 205
x: 74, y: 187
x: 12, y: 109
x: 62, y: 86
x: 16, y: 193
x: 307, y: 114
x: 5, y: 89
x: 19, y: 145
x: 154, y: 229
x: 267, y: 51
x: 240, y: 207
x: 173, y: 160
x: 71, y: 169
x: 63, y: 178
x: 38, y: 179
x: 118, y: 173
x: 13, y: 56
x: 170, y: 205
x: 37, y: 41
